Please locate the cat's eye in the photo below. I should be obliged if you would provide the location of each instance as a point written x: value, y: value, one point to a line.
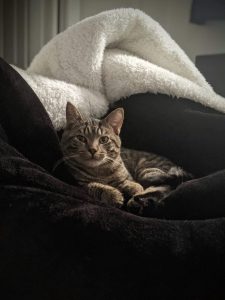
x: 103, y: 139
x: 81, y: 138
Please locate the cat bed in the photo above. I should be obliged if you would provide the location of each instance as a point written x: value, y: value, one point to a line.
x: 57, y: 243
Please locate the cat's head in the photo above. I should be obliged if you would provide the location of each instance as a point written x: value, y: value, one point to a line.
x: 92, y: 142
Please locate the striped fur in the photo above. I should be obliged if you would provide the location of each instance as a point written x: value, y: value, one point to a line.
x: 93, y: 154
x: 151, y: 169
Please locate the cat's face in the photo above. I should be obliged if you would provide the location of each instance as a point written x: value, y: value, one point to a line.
x: 91, y: 142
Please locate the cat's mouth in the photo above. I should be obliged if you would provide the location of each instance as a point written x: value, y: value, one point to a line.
x: 93, y: 162
x: 93, y: 158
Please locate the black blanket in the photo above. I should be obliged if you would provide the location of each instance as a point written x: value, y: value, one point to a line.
x: 57, y: 243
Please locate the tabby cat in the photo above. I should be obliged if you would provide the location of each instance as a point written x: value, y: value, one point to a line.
x: 93, y: 154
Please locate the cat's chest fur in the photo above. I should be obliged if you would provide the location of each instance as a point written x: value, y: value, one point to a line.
x: 111, y: 174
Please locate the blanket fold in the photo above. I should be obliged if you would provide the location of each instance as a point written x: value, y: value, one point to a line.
x: 123, y: 52
x: 111, y: 56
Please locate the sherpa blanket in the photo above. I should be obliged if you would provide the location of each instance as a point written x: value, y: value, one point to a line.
x: 111, y: 56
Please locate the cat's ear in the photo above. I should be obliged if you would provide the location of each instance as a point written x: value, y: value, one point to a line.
x: 72, y: 114
x: 115, y: 119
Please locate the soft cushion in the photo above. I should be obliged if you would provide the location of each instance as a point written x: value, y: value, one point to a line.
x: 57, y: 243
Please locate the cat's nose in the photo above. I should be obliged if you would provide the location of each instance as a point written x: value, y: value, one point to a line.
x: 92, y: 151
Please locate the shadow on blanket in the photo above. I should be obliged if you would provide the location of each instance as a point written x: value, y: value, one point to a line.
x: 56, y: 243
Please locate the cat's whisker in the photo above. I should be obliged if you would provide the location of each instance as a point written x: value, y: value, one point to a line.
x: 62, y: 160
x: 58, y: 163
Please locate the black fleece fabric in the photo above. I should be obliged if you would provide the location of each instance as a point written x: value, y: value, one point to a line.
x: 57, y: 243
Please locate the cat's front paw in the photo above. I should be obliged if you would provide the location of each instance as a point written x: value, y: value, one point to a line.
x: 114, y: 198
x: 147, y: 199
x: 130, y: 188
x: 137, y: 207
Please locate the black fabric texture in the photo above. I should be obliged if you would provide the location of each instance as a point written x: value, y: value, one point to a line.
x: 188, y: 133
x: 57, y: 243
x: 192, y: 136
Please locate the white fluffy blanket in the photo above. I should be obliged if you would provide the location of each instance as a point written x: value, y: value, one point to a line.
x: 110, y: 56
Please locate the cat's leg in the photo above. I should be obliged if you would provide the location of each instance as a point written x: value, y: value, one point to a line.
x: 105, y: 193
x: 151, y: 176
x: 130, y: 188
x: 151, y: 169
x: 159, y: 185
x: 157, y: 177
x: 149, y: 197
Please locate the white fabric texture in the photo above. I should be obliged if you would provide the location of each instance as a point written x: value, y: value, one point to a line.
x: 111, y: 56
x: 54, y: 94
